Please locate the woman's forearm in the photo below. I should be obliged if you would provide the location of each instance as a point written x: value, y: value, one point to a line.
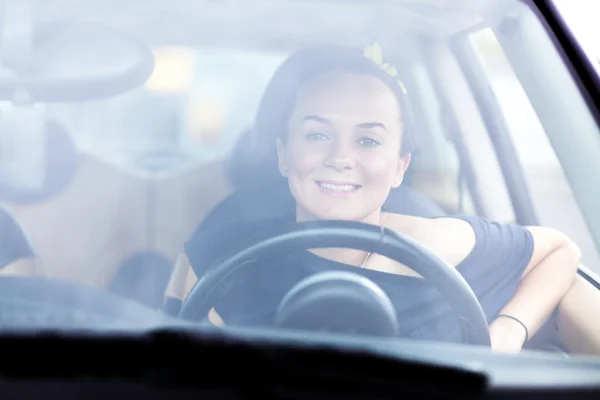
x: 538, y: 294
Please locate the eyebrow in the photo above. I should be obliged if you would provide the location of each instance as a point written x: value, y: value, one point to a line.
x: 316, y: 119
x: 370, y: 125
x: 364, y: 125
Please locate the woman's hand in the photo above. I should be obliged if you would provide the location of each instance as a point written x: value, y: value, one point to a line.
x: 507, y: 336
x: 214, y: 318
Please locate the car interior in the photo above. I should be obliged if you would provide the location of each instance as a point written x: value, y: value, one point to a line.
x: 118, y: 220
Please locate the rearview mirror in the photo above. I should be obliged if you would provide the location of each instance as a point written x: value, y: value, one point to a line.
x: 76, y: 62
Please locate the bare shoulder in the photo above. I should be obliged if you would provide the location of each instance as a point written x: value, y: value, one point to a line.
x: 451, y: 238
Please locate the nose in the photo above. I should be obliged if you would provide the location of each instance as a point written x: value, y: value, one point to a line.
x: 341, y: 157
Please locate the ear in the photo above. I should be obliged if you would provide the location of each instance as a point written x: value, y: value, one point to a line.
x: 403, y: 163
x: 281, y: 158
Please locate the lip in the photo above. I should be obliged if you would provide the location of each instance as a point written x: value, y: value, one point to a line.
x: 337, y: 192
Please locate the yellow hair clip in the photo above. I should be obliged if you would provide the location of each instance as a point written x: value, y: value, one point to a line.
x: 374, y: 53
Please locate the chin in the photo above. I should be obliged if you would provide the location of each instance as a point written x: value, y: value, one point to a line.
x: 341, y: 215
x: 311, y: 208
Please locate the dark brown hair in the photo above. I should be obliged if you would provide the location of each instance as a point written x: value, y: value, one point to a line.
x: 255, y: 157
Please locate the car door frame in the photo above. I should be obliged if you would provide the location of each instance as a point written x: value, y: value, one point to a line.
x: 580, y: 67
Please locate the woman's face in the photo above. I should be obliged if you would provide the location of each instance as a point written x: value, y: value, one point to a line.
x: 342, y: 152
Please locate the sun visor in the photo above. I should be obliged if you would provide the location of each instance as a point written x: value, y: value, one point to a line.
x: 73, y: 62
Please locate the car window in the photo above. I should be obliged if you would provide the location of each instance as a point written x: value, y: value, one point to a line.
x: 464, y: 126
x: 248, y: 117
x: 436, y: 171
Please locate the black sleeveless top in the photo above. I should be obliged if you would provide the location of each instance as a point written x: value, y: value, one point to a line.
x: 493, y: 269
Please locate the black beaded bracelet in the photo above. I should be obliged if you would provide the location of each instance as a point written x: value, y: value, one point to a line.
x: 519, y: 321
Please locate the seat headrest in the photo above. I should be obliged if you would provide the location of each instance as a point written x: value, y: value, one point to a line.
x: 57, y: 160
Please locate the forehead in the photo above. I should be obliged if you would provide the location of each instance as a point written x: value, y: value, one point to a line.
x: 347, y: 95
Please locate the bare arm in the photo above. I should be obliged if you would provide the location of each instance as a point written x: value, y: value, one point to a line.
x: 181, y: 283
x: 182, y: 279
x: 546, y: 280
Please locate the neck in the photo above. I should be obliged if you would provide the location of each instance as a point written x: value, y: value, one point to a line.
x: 375, y: 218
x: 346, y: 256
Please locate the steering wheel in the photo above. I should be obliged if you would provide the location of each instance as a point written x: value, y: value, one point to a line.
x: 344, y: 234
x: 42, y: 303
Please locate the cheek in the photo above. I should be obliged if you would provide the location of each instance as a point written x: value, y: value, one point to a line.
x: 380, y: 167
x: 304, y: 160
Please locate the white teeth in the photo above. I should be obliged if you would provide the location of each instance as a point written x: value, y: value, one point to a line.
x: 342, y: 188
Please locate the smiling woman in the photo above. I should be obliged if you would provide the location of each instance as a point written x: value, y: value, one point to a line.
x: 336, y: 128
x: 330, y: 131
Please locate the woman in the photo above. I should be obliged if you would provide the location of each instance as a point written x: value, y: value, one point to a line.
x: 336, y: 127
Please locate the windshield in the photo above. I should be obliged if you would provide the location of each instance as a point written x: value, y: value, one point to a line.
x: 381, y: 168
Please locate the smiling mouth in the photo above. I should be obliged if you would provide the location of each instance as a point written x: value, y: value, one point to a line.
x: 338, y: 187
